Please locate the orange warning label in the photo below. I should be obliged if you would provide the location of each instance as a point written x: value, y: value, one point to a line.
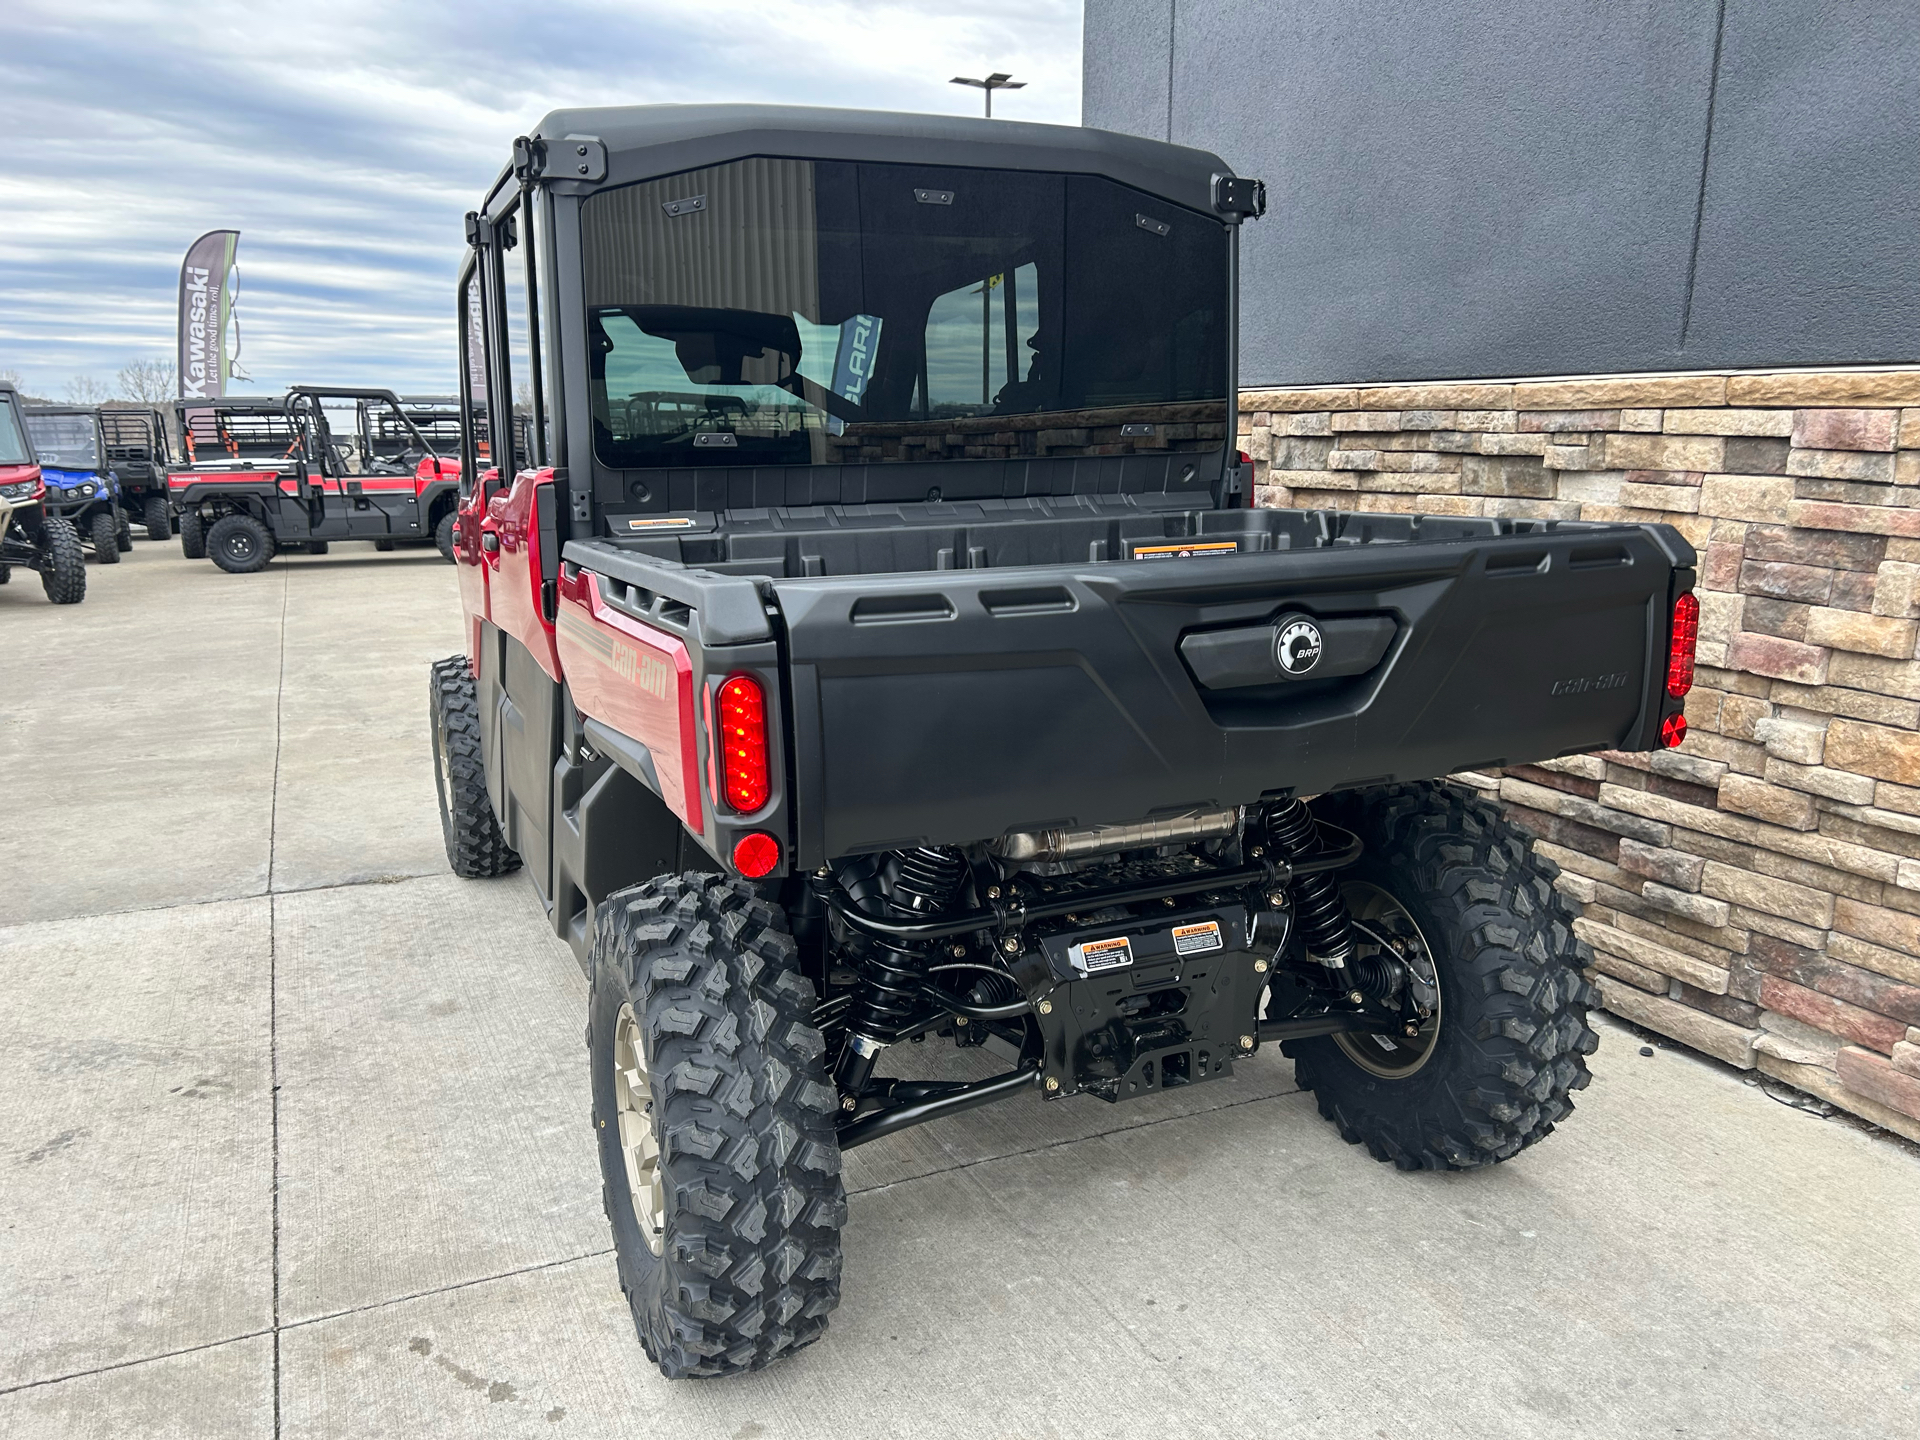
x: 1186, y: 549
x: 1197, y: 939
x: 1096, y: 955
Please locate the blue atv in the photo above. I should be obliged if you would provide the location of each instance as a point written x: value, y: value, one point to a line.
x: 81, y: 488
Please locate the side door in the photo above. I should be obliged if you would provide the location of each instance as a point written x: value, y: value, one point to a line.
x: 521, y: 686
x: 391, y: 452
x: 352, y: 510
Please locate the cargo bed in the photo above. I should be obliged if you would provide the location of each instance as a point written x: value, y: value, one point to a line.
x: 951, y: 672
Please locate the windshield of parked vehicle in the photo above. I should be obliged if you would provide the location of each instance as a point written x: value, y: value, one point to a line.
x: 13, y: 440
x: 65, y: 442
x: 773, y: 311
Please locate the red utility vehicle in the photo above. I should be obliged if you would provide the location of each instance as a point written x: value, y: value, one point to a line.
x: 317, y: 465
x: 872, y: 640
x: 29, y: 534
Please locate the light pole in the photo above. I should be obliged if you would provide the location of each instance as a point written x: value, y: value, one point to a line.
x: 999, y: 80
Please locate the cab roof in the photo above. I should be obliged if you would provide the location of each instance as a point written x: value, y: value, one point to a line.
x: 645, y: 141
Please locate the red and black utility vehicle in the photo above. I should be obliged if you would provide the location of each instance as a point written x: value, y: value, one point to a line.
x: 875, y: 641
x: 317, y: 465
x: 29, y: 534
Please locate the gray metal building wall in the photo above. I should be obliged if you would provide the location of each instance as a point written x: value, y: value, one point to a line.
x: 1536, y: 187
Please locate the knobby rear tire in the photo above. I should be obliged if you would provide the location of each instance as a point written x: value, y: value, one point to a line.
x: 476, y: 848
x: 443, y: 537
x: 1513, y: 1037
x: 193, y: 535
x: 743, y: 1113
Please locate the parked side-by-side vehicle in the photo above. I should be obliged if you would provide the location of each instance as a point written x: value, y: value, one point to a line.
x: 140, y: 452
x: 872, y: 639
x: 31, y: 535
x: 301, y: 471
x: 82, y: 486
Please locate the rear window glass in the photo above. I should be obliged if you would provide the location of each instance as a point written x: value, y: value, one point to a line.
x: 794, y: 312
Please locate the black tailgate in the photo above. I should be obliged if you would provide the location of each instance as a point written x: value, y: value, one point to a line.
x: 951, y: 706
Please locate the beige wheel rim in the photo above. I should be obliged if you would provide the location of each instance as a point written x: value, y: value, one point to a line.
x: 633, y: 1105
x: 1379, y: 917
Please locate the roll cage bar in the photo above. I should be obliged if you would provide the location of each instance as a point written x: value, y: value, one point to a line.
x: 299, y: 417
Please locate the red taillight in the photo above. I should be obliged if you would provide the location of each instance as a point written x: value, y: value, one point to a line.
x: 755, y: 854
x: 1673, y: 730
x: 1686, y: 635
x: 743, y: 743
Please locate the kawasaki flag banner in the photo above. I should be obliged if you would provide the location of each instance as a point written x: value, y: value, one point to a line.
x: 206, y: 305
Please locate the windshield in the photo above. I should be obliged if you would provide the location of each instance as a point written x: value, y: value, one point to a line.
x: 13, y: 442
x: 800, y: 312
x: 65, y: 442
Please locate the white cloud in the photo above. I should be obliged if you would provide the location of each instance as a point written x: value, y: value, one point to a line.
x: 345, y: 142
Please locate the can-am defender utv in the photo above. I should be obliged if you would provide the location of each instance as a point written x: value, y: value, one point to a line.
x: 30, y: 536
x: 82, y: 486
x: 323, y: 464
x: 878, y: 643
x: 140, y: 453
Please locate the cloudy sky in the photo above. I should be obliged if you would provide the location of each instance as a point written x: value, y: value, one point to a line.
x: 345, y: 139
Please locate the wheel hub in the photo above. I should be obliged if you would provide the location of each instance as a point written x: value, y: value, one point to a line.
x: 1384, y: 930
x: 639, y: 1144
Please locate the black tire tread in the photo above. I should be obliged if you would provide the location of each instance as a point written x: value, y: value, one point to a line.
x: 476, y: 848
x: 443, y: 537
x: 1509, y: 939
x: 158, y: 521
x: 746, y: 1110
x: 193, y: 535
x: 62, y: 565
x: 105, y: 534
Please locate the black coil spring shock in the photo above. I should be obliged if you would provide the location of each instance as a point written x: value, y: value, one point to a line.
x: 892, y: 976
x: 1326, y: 930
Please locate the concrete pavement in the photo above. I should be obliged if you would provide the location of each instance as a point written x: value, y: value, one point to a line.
x: 293, y: 1140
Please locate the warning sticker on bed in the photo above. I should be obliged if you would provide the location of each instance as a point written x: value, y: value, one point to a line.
x: 1186, y: 550
x: 659, y: 522
x: 1098, y: 955
x: 1197, y: 939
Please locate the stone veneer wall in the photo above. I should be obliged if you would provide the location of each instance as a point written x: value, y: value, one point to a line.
x: 1755, y: 893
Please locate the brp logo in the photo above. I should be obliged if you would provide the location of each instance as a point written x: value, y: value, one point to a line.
x: 1298, y: 646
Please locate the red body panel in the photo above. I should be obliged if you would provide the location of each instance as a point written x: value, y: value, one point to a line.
x: 513, y: 586
x: 424, y: 474
x: 14, y: 474
x: 180, y: 480
x: 468, y: 565
x: 638, y: 681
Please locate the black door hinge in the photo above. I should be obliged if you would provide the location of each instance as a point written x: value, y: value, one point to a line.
x: 1239, y: 196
